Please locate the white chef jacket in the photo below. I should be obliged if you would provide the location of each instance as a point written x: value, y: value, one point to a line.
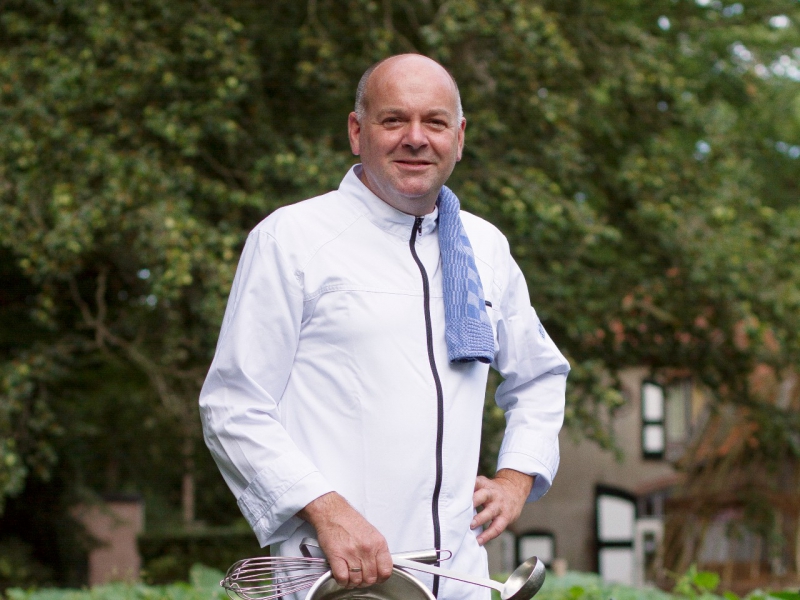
x: 322, y: 380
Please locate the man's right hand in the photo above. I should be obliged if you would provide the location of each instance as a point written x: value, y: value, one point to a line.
x: 356, y: 551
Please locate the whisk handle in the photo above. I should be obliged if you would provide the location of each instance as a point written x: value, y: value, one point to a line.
x: 309, y: 547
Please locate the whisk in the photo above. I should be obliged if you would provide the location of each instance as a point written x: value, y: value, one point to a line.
x: 270, y: 577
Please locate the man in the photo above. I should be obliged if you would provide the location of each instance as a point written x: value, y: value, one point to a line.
x: 345, y: 398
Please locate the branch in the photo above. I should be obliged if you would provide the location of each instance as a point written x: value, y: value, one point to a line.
x: 100, y: 294
x: 232, y: 177
x: 150, y: 368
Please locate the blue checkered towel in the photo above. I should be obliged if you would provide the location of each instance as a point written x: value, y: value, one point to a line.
x: 468, y: 330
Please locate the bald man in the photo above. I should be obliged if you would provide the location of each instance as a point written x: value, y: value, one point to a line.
x: 346, y: 395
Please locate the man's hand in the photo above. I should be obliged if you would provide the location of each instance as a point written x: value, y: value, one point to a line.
x: 502, y: 499
x: 357, y: 552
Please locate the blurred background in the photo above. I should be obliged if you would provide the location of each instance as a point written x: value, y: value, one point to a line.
x: 643, y: 159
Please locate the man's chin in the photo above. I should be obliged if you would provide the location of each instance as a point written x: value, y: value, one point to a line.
x: 417, y: 188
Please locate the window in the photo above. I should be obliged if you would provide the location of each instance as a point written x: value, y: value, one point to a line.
x: 666, y: 418
x: 541, y: 544
x: 678, y: 411
x: 616, y: 526
x: 653, y: 434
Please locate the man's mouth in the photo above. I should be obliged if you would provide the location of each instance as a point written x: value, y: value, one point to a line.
x: 413, y: 164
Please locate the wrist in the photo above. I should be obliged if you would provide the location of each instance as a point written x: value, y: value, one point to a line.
x: 522, y: 483
x: 321, y: 510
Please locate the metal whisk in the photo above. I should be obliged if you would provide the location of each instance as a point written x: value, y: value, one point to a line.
x: 270, y: 577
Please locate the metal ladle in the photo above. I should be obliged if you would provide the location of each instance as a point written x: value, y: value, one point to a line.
x: 524, y: 582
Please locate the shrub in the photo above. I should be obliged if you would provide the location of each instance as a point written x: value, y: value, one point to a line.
x: 203, y: 585
x: 168, y: 556
x: 18, y: 567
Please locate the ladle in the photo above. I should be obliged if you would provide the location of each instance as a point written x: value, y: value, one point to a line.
x: 524, y: 582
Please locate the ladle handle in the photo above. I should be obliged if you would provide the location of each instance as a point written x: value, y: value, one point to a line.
x: 310, y: 548
x: 408, y: 564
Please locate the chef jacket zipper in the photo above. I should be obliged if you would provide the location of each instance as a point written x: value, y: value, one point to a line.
x: 437, y: 488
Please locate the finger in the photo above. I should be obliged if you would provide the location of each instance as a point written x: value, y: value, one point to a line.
x: 481, y: 482
x: 496, y: 528
x: 340, y: 571
x: 489, y: 513
x: 369, y: 573
x: 481, y: 496
x: 356, y: 571
x: 491, y: 510
x: 384, y: 565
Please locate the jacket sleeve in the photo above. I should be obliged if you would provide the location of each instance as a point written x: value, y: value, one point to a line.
x: 240, y: 400
x: 533, y: 391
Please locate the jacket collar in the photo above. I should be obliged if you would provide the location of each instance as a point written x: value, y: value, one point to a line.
x: 379, y: 212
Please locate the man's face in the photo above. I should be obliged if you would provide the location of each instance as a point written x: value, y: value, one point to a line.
x: 410, y: 138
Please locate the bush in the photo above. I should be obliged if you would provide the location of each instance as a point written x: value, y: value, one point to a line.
x: 693, y: 585
x: 203, y: 585
x: 18, y: 567
x: 169, y: 556
x: 589, y: 586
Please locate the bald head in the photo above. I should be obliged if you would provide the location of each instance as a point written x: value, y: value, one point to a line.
x: 406, y: 61
x: 408, y: 131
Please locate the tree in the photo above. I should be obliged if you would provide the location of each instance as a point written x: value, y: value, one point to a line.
x: 639, y: 156
x: 114, y: 206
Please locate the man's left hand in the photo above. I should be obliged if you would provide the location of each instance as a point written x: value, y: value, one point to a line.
x: 502, y: 499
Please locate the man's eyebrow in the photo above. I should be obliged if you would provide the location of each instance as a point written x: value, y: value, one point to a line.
x: 431, y: 113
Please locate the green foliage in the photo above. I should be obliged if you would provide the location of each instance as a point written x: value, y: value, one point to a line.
x: 692, y: 585
x: 18, y: 567
x: 785, y: 595
x: 27, y: 422
x: 697, y: 585
x: 589, y: 586
x: 170, y: 556
x: 203, y: 585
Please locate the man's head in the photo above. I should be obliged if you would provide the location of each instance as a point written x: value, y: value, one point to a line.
x: 408, y: 130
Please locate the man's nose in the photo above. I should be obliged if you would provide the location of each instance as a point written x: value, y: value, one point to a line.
x: 415, y: 136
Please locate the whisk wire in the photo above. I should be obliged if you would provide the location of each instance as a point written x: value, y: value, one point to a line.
x: 271, y: 577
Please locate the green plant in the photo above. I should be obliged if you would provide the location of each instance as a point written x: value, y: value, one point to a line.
x: 696, y: 584
x: 18, y: 567
x: 203, y: 584
x: 169, y: 556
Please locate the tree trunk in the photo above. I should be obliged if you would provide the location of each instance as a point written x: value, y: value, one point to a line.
x: 187, y: 483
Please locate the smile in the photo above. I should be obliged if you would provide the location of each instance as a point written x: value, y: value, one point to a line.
x: 412, y: 164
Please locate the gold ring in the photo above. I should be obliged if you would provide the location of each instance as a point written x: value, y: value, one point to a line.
x: 355, y: 569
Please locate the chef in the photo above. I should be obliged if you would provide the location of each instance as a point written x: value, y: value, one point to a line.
x: 345, y: 398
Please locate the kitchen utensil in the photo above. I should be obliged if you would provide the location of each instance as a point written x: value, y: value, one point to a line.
x: 523, y: 583
x: 270, y: 577
x: 402, y: 585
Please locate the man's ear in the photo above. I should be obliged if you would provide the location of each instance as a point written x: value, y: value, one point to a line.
x: 461, y: 128
x: 353, y: 132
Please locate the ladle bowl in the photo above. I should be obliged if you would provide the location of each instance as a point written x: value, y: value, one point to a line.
x: 522, y: 584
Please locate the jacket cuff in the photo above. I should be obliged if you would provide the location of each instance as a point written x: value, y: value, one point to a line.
x: 543, y: 477
x: 272, y: 516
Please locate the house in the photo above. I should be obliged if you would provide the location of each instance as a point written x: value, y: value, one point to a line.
x: 681, y: 493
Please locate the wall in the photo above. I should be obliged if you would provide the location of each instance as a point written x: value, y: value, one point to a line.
x: 114, y: 525
x: 567, y: 509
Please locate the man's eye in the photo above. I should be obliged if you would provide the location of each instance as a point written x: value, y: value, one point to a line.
x: 391, y: 121
x: 438, y: 124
